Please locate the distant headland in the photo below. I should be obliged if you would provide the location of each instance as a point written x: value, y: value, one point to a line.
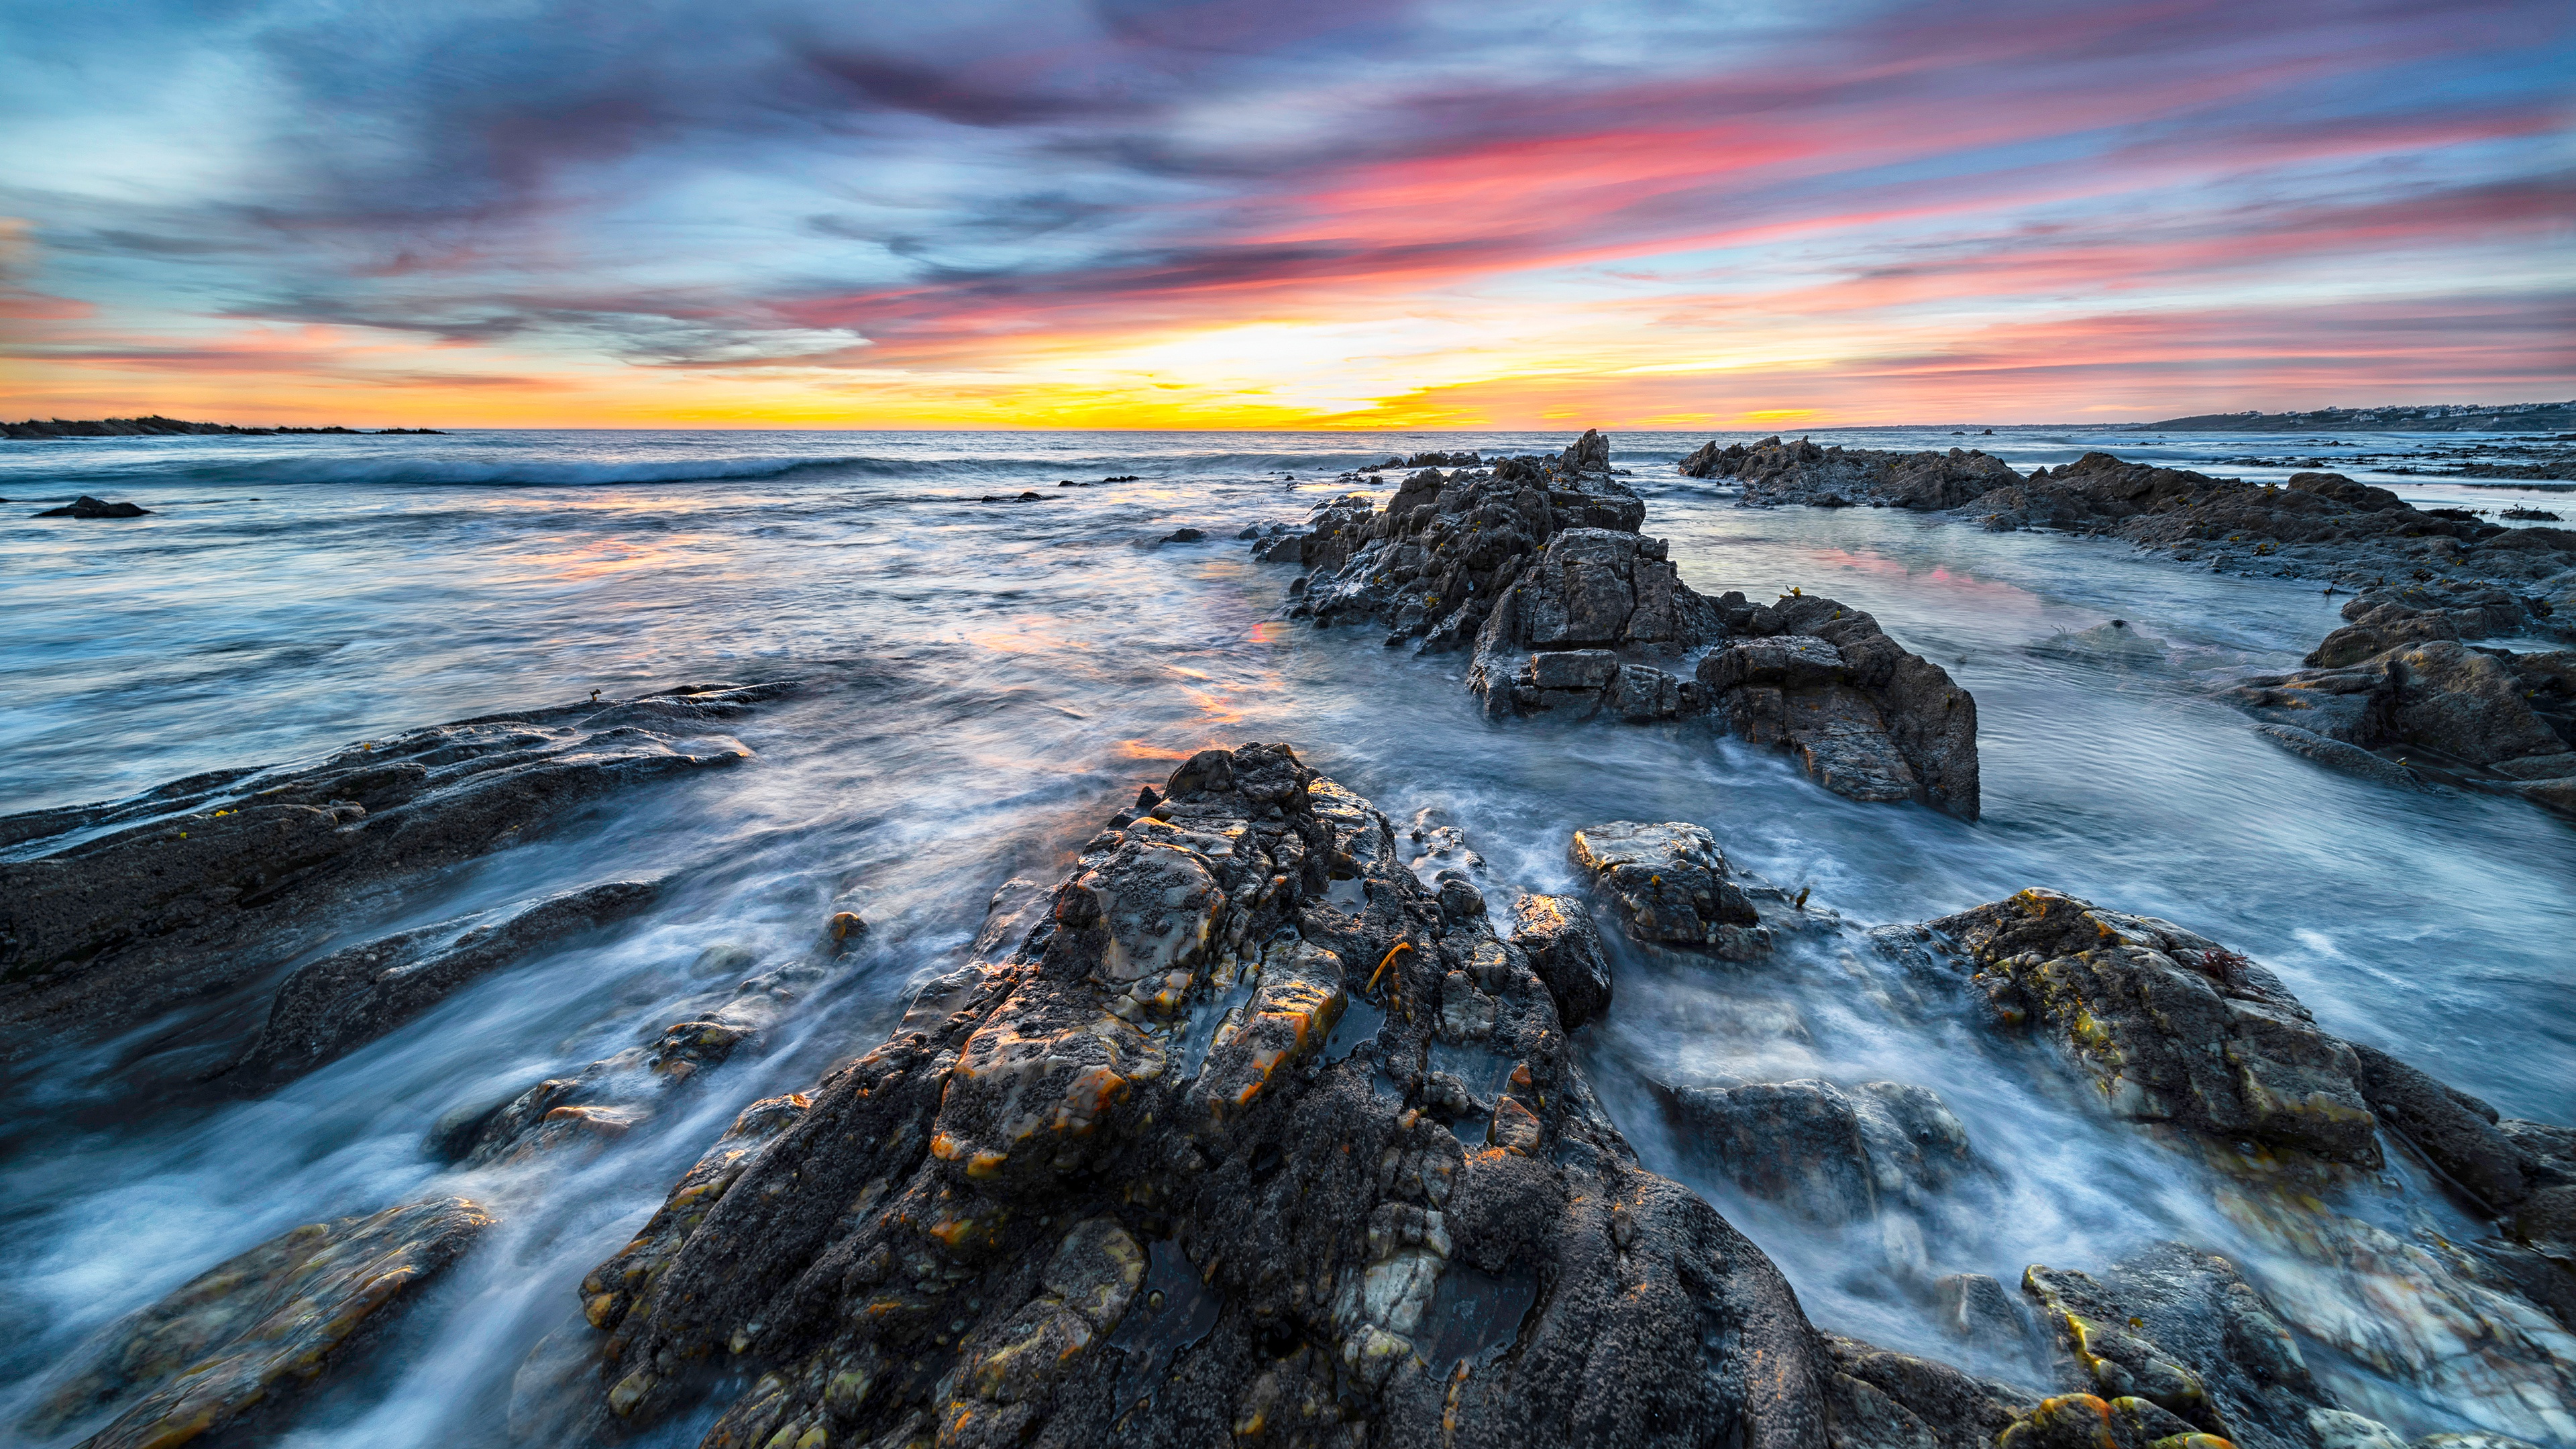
x: 158, y: 426
x: 2431, y: 418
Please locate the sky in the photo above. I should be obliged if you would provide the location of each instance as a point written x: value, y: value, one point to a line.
x: 1255, y: 214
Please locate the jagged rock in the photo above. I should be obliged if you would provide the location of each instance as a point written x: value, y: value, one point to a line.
x: 88, y: 507
x: 1774, y: 473
x: 1867, y: 718
x: 1829, y: 1155
x: 1564, y: 948
x: 1672, y: 886
x: 1191, y: 1119
x: 224, y: 877
x: 2172, y: 1026
x: 2385, y: 619
x: 349, y: 998
x: 2397, y: 680
x: 1936, y: 1405
x: 235, y: 1348
x: 1540, y: 565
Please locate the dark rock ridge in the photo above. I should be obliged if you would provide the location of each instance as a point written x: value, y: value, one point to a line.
x: 157, y: 426
x: 232, y: 1353
x: 1774, y: 472
x: 351, y: 997
x: 1538, y: 564
x: 1252, y: 1137
x: 88, y: 507
x: 2395, y: 694
x: 2317, y: 525
x: 2177, y: 1031
x: 115, y: 912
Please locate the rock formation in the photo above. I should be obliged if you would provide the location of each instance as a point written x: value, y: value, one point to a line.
x: 1538, y: 564
x: 1250, y: 1137
x: 2317, y: 525
x: 2396, y: 695
x: 217, y: 880
x: 2177, y: 1031
x: 88, y: 507
x: 1773, y: 472
x: 231, y: 1354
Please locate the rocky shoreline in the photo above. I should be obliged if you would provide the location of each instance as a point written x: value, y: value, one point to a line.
x: 1267, y: 1121
x: 156, y: 426
x: 2396, y: 696
x: 1245, y: 1131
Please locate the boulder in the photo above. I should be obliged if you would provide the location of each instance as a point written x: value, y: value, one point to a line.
x: 88, y: 507
x: 1564, y: 949
x: 231, y: 1352
x: 217, y: 880
x: 2171, y: 1026
x: 1225, y: 1147
x: 1671, y: 885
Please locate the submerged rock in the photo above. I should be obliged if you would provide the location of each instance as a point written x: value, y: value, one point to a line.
x: 1182, y: 1168
x: 234, y: 1350
x: 1774, y: 473
x: 2171, y: 1026
x: 2178, y: 1031
x: 88, y: 507
x: 217, y: 880
x: 1831, y: 1156
x: 351, y: 997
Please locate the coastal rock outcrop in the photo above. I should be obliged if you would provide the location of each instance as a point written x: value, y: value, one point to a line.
x: 2177, y: 1031
x: 1247, y: 1138
x: 2171, y: 1026
x: 2316, y: 525
x: 2395, y: 694
x: 1773, y: 473
x: 350, y: 997
x: 88, y: 507
x: 234, y: 1350
x: 1671, y: 885
x: 219, y: 879
x: 1571, y: 611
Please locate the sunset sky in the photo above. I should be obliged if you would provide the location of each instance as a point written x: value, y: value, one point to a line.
x: 1252, y: 214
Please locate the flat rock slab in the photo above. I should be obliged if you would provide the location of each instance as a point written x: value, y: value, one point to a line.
x: 240, y: 1343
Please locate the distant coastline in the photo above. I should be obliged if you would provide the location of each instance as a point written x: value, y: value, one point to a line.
x: 2431, y: 418
x: 157, y: 426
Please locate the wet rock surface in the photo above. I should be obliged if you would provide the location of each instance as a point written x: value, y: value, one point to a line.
x: 2171, y: 1026
x: 1342, y: 1119
x: 1773, y: 473
x: 2317, y: 525
x: 352, y: 997
x: 217, y: 880
x: 1671, y: 885
x: 88, y: 507
x: 234, y: 1351
x: 2291, y: 1127
x: 2397, y: 694
x: 1539, y: 565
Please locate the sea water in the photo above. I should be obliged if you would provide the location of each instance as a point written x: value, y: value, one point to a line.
x: 985, y: 681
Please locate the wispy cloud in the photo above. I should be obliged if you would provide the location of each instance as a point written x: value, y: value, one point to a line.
x: 1235, y: 212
